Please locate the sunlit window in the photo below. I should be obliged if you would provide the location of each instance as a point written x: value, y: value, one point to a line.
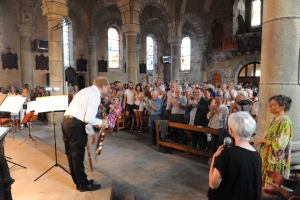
x: 150, y: 53
x: 250, y: 70
x: 66, y: 43
x: 113, y: 48
x: 256, y: 13
x: 185, y: 55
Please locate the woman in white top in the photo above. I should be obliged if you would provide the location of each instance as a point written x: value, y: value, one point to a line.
x: 138, y: 97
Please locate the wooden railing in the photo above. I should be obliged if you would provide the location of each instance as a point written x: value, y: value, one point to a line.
x: 180, y: 146
x: 228, y: 42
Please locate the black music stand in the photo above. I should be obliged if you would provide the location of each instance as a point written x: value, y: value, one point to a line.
x: 29, y: 117
x: 3, y: 133
x: 59, y: 109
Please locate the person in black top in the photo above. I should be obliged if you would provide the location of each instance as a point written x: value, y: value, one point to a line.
x: 236, y: 174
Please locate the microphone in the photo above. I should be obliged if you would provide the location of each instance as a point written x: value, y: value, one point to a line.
x: 227, y: 142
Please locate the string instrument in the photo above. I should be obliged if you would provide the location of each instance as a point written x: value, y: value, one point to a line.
x: 89, y: 155
x: 99, y: 143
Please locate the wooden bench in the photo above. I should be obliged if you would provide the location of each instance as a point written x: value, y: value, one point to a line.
x: 180, y: 146
x: 120, y: 123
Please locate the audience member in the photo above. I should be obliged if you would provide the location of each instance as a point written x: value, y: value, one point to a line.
x: 235, y: 173
x: 138, y: 96
x: 128, y: 102
x: 115, y: 109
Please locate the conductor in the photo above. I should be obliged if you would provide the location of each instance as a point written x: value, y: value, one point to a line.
x: 82, y: 111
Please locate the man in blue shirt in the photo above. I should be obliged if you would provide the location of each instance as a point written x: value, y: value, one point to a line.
x: 154, y: 106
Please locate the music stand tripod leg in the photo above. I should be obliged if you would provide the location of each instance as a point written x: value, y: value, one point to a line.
x: 55, y: 151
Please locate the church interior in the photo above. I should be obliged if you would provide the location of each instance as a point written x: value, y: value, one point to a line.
x: 51, y: 43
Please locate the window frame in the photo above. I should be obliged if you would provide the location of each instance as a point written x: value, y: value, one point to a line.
x: 190, y: 55
x: 119, y: 49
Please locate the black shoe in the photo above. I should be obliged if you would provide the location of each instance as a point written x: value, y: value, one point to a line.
x: 89, y: 187
x: 91, y: 181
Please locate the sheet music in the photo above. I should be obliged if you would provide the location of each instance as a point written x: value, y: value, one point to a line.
x: 2, y: 98
x: 31, y: 106
x: 12, y: 104
x: 51, y: 103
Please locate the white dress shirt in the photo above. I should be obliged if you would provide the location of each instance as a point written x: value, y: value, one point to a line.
x: 85, y: 105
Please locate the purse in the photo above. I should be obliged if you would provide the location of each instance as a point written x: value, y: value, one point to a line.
x: 25, y: 106
x: 136, y: 107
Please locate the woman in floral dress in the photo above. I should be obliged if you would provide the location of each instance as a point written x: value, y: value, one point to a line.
x: 276, y: 146
x: 114, y: 111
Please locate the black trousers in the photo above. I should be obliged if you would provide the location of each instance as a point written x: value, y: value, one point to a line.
x: 75, y: 139
x: 179, y: 134
x: 199, y: 137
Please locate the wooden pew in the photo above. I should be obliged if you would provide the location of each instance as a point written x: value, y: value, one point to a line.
x: 180, y: 146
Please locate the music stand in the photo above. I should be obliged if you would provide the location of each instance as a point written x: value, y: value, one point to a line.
x: 29, y: 117
x: 52, y: 104
x: 3, y: 133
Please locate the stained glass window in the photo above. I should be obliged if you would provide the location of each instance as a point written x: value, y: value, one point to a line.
x: 256, y: 13
x: 113, y: 48
x: 66, y: 43
x: 150, y: 53
x: 185, y: 55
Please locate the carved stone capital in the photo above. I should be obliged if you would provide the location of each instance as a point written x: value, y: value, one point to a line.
x: 56, y: 9
x: 131, y: 29
x: 174, y: 40
x: 92, y: 40
x: 26, y: 29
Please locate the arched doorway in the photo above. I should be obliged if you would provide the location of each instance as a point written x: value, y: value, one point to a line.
x: 81, y: 81
x: 250, y: 73
x: 216, y: 78
x: 71, y: 75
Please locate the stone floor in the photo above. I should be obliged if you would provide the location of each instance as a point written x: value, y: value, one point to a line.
x: 134, y: 169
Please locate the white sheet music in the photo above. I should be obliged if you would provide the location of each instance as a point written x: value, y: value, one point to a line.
x: 51, y: 104
x: 31, y: 106
x: 12, y: 104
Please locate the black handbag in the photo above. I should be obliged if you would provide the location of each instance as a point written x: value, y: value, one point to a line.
x: 24, y: 106
x: 136, y: 107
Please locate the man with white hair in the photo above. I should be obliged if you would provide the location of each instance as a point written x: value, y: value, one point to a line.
x: 242, y: 102
x: 154, y: 106
x: 177, y: 105
x: 159, y: 87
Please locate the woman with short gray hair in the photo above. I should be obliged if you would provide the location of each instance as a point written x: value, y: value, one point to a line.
x: 236, y: 174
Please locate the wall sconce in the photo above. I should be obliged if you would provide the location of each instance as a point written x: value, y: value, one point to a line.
x: 26, y: 19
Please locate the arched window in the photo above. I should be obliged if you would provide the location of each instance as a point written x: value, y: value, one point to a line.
x: 113, y: 48
x: 66, y: 42
x: 256, y: 13
x: 250, y: 73
x: 150, y: 54
x: 185, y: 55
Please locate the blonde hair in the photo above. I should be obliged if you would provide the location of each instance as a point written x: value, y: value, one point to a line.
x: 100, y: 81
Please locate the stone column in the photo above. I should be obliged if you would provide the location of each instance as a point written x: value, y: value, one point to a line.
x: 131, y: 31
x: 55, y: 11
x: 167, y: 72
x: 280, y: 65
x: 175, y: 43
x: 203, y: 66
x: 92, y: 59
x: 138, y: 48
x: 26, y: 31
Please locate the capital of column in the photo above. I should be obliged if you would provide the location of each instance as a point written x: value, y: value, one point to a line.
x: 174, y: 40
x: 92, y: 40
x: 26, y: 29
x: 56, y: 9
x: 131, y: 29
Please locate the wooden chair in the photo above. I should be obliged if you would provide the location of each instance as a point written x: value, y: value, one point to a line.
x: 121, y: 121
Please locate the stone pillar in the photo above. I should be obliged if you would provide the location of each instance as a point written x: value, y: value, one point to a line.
x: 55, y: 11
x: 203, y: 67
x: 280, y: 65
x: 175, y: 43
x: 26, y: 63
x: 92, y: 59
x: 138, y: 48
x: 131, y: 31
x: 167, y: 72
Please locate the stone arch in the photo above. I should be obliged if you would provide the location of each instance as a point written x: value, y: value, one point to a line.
x: 165, y: 10
x: 111, y: 15
x: 31, y: 6
x: 145, y: 16
x: 196, y: 23
x: 237, y: 68
x: 80, y: 12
